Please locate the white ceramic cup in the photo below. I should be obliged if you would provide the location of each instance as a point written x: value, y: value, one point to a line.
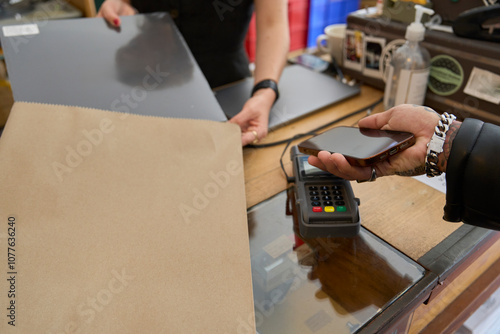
x: 332, y: 41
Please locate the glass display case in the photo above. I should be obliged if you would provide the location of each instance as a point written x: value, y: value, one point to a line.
x: 320, y: 285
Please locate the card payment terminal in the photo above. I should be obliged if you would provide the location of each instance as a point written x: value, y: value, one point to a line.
x: 325, y: 203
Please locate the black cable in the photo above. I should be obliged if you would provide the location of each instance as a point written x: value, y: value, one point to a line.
x: 312, y: 133
x: 291, y: 179
x: 369, y: 107
x: 300, y: 135
x: 337, y: 70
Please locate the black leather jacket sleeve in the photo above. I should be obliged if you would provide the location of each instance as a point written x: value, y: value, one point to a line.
x: 473, y: 176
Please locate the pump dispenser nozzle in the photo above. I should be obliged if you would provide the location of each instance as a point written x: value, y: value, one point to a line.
x: 416, y: 30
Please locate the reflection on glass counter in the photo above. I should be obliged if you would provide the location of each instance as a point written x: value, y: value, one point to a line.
x: 321, y: 285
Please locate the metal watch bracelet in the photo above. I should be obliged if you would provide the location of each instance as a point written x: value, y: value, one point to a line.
x: 435, y: 146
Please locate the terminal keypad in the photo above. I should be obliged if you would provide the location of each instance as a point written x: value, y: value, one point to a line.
x: 327, y: 198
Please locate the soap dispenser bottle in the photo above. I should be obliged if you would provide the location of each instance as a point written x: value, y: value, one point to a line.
x: 409, y: 69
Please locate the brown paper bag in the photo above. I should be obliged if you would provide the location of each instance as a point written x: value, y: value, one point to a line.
x: 117, y: 223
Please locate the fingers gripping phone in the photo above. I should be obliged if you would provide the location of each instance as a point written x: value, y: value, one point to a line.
x: 360, y: 146
x: 326, y: 206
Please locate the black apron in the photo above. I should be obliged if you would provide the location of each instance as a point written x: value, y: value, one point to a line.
x: 215, y: 32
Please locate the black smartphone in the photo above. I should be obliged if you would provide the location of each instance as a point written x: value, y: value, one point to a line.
x: 360, y: 146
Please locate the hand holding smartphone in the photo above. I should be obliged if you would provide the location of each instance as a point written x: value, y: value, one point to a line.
x: 360, y: 146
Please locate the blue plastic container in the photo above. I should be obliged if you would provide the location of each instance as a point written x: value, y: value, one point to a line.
x: 325, y: 12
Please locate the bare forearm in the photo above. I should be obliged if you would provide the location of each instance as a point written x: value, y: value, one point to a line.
x: 272, y: 39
